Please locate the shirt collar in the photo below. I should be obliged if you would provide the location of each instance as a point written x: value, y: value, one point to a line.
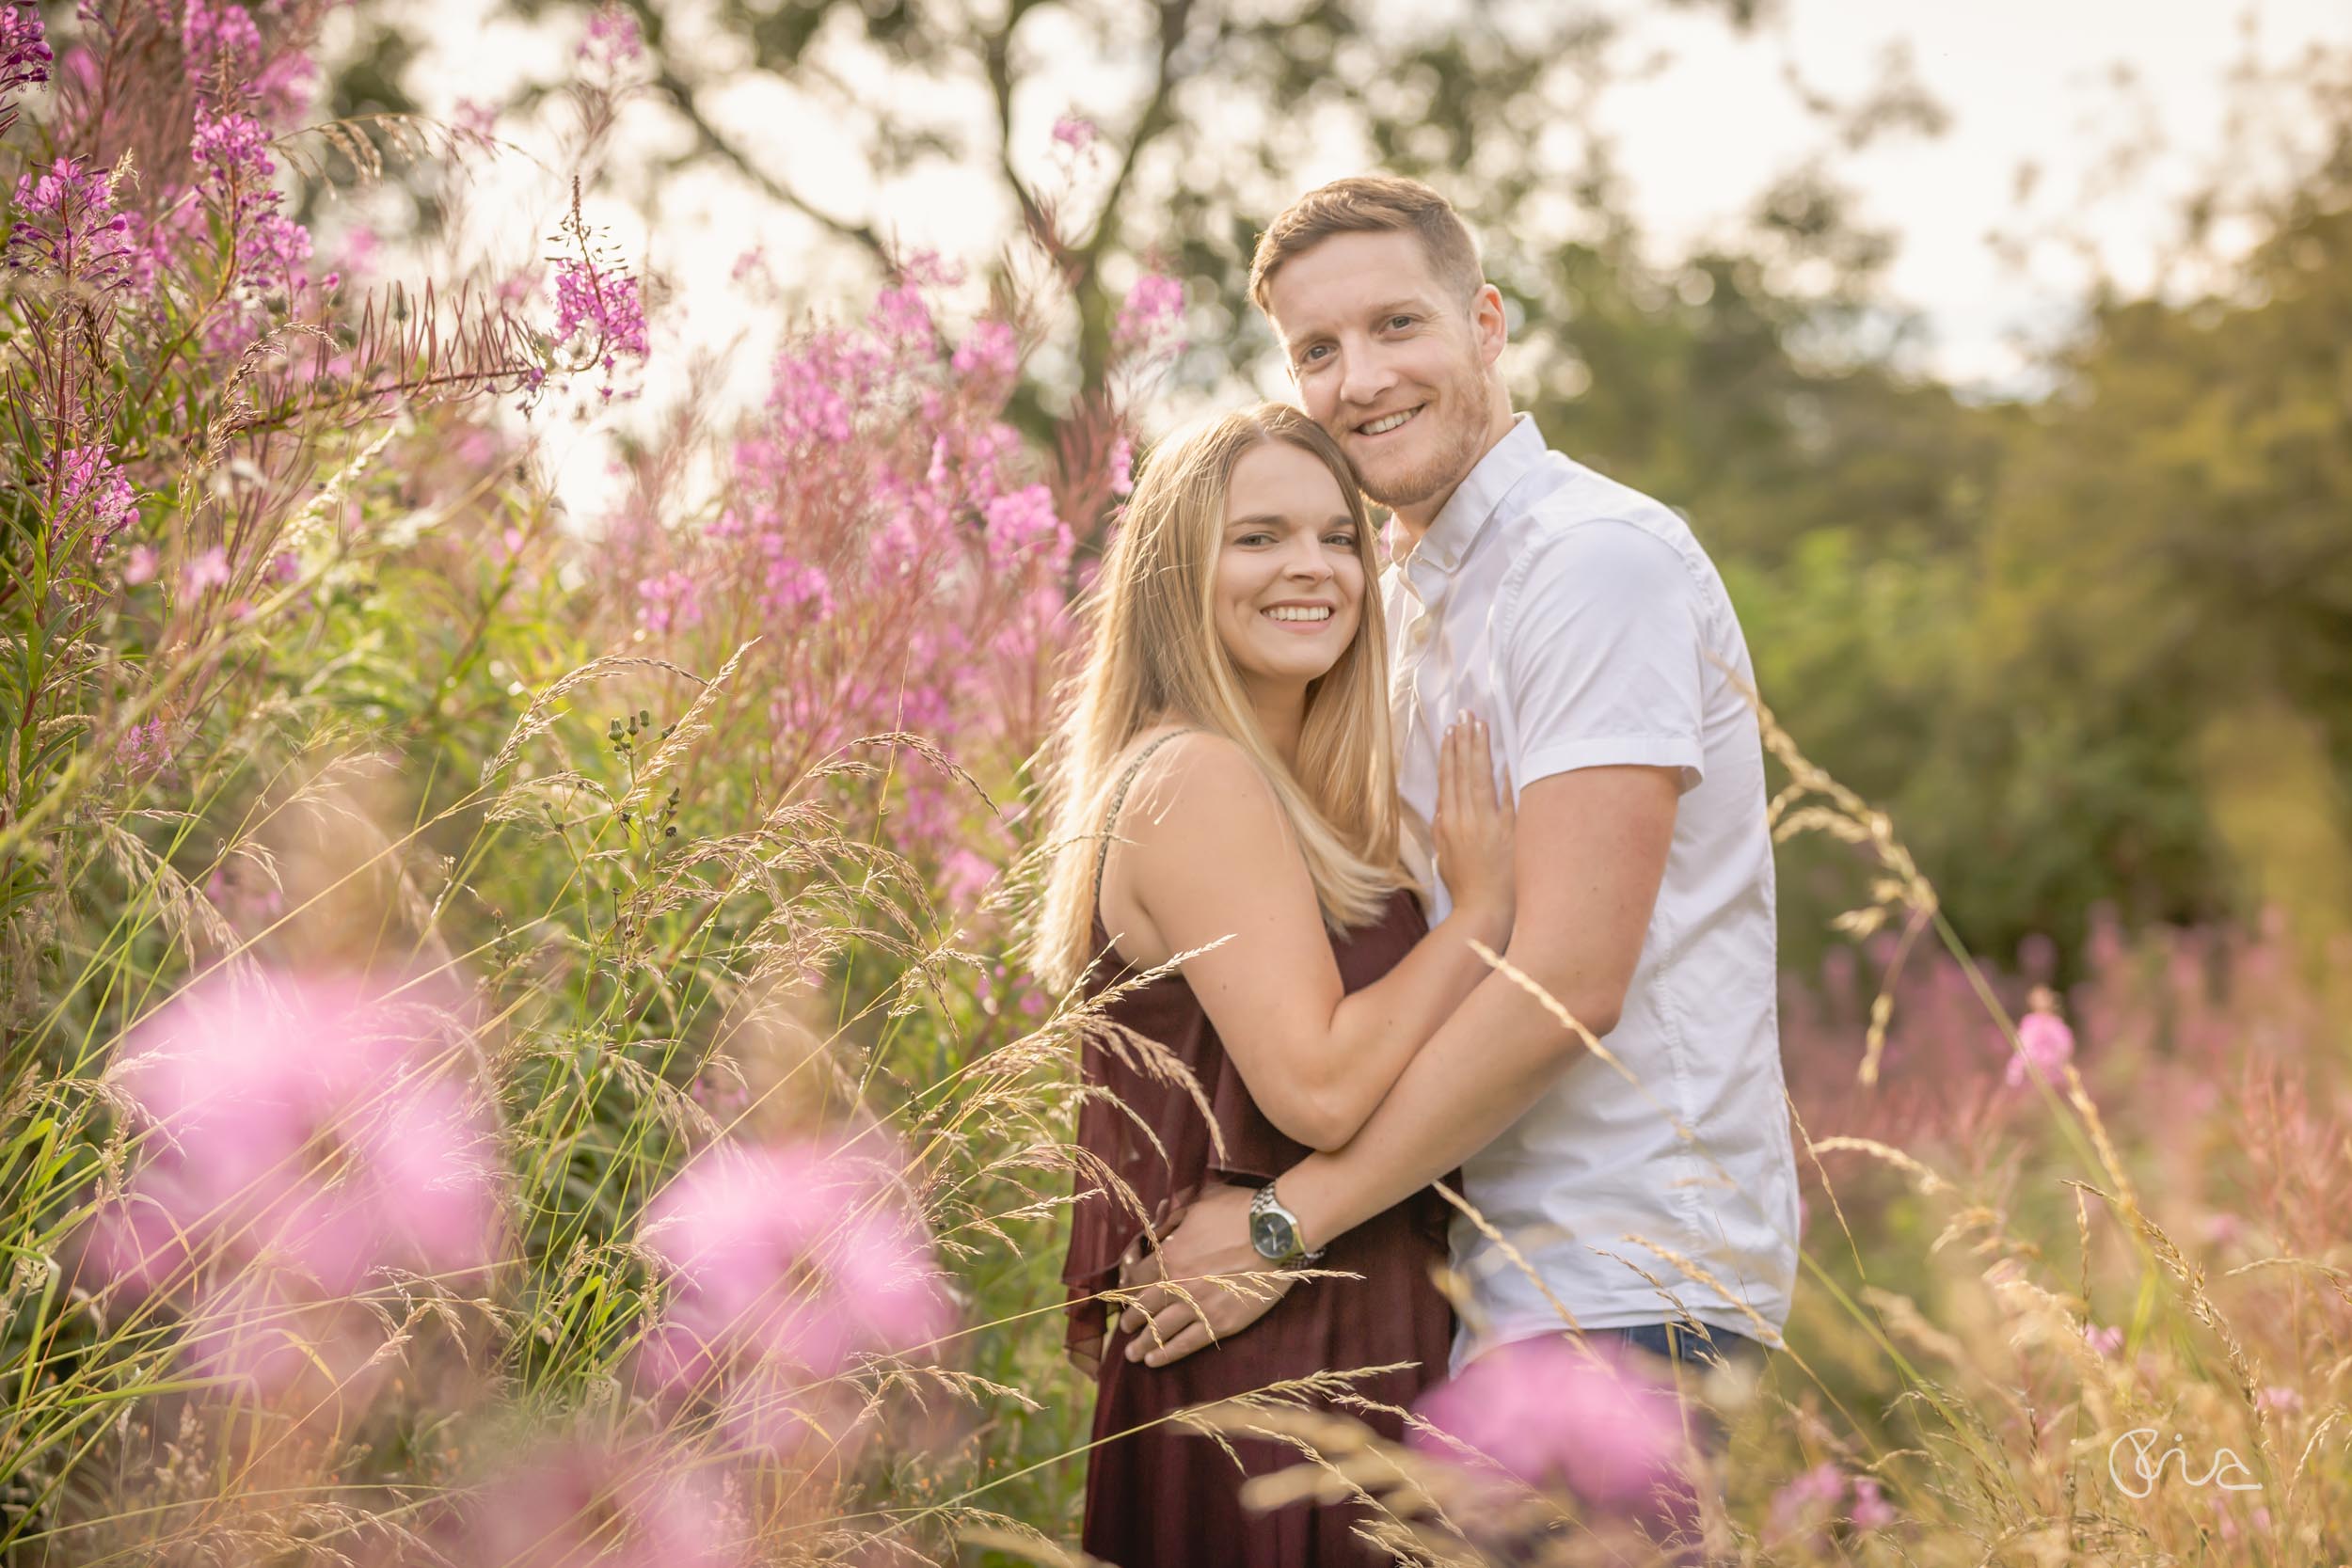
x: 1475, y: 500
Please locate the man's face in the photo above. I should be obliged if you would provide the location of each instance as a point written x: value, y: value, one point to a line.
x: 1390, y: 361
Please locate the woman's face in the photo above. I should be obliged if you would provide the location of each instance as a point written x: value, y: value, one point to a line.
x: 1289, y: 591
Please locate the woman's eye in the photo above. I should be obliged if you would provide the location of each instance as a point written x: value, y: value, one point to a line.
x: 1314, y: 354
x: 1344, y: 541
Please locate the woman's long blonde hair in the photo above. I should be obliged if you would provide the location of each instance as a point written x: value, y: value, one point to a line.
x: 1154, y: 653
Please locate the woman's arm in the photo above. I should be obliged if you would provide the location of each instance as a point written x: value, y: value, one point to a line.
x: 1204, y: 850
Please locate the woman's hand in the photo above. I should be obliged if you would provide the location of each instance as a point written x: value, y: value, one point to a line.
x: 1477, y: 830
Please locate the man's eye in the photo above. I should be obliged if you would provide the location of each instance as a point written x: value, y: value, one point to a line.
x: 1400, y: 321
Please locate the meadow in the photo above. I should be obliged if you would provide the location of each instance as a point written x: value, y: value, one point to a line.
x: 515, y: 1051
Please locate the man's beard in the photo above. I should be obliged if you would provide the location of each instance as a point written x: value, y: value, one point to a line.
x: 1446, y: 467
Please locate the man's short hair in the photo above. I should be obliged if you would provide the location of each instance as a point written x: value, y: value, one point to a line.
x: 1370, y: 204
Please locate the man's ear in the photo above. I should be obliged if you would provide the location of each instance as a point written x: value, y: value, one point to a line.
x: 1489, y: 323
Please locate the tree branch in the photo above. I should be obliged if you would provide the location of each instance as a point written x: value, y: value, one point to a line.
x: 681, y: 94
x: 1157, y: 117
x: 997, y: 62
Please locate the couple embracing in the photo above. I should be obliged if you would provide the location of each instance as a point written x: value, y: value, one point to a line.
x: 1318, y: 787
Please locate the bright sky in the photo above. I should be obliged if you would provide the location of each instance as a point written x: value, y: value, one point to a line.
x: 2023, y: 81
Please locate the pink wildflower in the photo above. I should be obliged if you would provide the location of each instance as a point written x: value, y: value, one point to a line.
x: 66, y: 226
x: 282, y: 88
x: 231, y: 150
x: 607, y: 303
x: 303, y: 1123
x: 785, y: 1262
x: 479, y: 120
x: 144, y: 749
x: 990, y: 353
x: 901, y: 319
x: 1556, y: 1412
x: 613, y: 39
x: 929, y: 269
x: 672, y: 600
x: 2278, y: 1397
x: 1870, y: 1511
x: 260, y: 1329
x: 218, y: 43
x: 24, y: 54
x: 285, y: 566
x: 2103, y: 1340
x: 208, y: 570
x: 139, y: 566
x: 1122, y: 467
x: 361, y: 245
x: 963, y: 875
x: 1804, y: 1502
x: 1150, y: 311
x: 149, y: 246
x: 794, y: 584
x: 1019, y: 523
x: 2045, y: 1042
x: 1073, y: 133
x: 92, y: 495
x: 574, y: 1505
x: 812, y: 390
x: 742, y: 1228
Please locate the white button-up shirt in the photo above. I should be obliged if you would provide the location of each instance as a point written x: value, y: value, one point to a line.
x: 1583, y: 623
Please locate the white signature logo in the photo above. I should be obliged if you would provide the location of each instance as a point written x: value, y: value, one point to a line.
x: 2144, y: 1473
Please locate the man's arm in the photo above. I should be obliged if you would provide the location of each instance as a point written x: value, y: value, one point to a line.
x: 1592, y: 852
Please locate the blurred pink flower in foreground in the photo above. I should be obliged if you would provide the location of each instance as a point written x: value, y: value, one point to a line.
x: 2045, y: 1041
x: 210, y: 570
x: 301, y: 1125
x: 575, y: 1506
x: 1557, y: 1414
x: 785, y: 1262
x: 1872, y: 1510
x: 1807, y: 1503
x: 2104, y: 1341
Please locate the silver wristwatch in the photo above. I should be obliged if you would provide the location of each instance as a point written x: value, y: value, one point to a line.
x: 1274, y: 1231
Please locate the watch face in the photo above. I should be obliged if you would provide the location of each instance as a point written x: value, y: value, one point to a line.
x: 1270, y: 1235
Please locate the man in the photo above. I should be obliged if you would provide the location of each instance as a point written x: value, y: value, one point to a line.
x: 1647, y: 1179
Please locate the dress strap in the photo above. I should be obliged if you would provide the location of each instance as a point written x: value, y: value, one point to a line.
x: 1118, y: 802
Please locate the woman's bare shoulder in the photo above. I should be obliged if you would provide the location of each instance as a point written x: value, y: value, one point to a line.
x: 1189, y: 773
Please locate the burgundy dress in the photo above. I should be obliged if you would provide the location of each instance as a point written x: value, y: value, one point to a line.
x: 1167, y: 1494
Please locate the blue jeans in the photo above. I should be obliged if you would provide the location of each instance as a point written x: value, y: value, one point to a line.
x: 1706, y: 1346
x: 1675, y: 1522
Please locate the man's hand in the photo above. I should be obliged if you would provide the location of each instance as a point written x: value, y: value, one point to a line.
x: 1212, y: 1239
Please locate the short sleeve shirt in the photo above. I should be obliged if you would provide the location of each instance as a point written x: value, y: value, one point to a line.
x: 1581, y: 620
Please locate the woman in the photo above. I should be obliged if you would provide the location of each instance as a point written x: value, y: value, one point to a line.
x: 1223, y: 789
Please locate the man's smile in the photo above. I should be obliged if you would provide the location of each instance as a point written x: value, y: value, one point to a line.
x: 1386, y: 422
